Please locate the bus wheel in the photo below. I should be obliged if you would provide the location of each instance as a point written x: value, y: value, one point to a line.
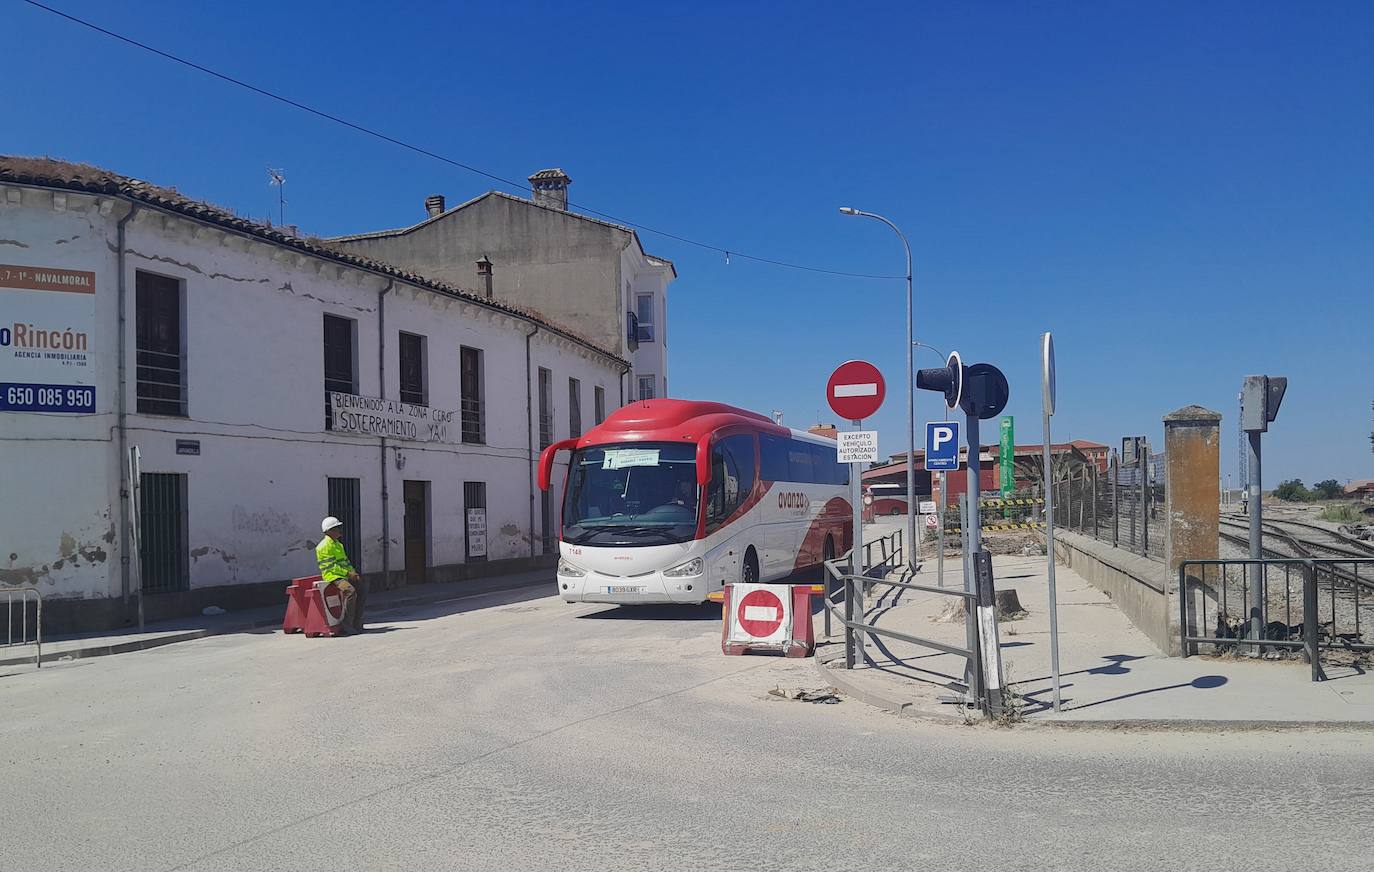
x: 750, y: 573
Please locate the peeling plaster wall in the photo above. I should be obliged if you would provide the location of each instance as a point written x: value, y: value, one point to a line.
x: 253, y: 317
x: 58, y: 501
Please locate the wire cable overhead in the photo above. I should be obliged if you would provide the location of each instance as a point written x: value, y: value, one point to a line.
x: 426, y: 152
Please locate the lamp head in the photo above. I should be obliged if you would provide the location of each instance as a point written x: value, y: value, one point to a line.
x: 848, y: 210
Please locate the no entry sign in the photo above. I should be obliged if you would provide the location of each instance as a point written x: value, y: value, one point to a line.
x: 855, y: 390
x: 760, y: 613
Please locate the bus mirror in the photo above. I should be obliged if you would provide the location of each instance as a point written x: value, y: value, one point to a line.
x: 704, y: 461
x: 546, y: 460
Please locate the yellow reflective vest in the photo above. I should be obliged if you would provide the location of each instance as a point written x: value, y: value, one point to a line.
x: 333, y: 560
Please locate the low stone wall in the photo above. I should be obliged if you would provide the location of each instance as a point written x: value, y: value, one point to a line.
x: 1140, y: 587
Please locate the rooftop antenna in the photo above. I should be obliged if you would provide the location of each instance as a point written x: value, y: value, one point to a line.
x: 277, y: 178
x: 777, y: 416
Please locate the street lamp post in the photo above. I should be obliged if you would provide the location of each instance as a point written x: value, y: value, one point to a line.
x: 910, y: 395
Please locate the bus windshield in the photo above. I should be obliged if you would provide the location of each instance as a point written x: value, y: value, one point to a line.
x: 640, y: 493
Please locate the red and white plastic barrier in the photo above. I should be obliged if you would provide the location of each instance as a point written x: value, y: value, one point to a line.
x: 768, y: 617
x: 325, y: 610
x: 298, y: 603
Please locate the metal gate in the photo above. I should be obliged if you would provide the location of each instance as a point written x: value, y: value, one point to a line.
x: 345, y: 503
x: 164, y: 561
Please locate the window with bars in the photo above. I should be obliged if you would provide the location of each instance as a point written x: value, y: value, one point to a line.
x: 646, y: 387
x: 160, y: 386
x: 163, y: 557
x: 470, y: 386
x: 574, y: 407
x: 412, y: 351
x: 339, y: 371
x: 545, y: 408
x: 599, y: 400
x: 344, y: 499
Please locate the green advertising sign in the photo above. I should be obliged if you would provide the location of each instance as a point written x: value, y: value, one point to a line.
x: 1006, y: 456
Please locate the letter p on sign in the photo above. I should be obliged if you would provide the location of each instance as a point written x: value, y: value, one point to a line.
x: 942, y: 446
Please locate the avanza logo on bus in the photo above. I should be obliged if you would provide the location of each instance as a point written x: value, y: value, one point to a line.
x: 793, y: 500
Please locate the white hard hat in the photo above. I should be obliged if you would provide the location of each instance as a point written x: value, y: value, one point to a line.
x: 330, y: 523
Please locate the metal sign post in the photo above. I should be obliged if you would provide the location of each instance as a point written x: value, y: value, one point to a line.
x: 1048, y: 400
x: 855, y: 391
x: 136, y: 526
x: 856, y: 557
x: 940, y: 532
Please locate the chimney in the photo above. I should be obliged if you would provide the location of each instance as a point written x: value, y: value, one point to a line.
x: 484, y: 270
x: 434, y: 204
x: 551, y: 188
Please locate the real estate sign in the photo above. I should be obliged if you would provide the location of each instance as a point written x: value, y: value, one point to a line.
x: 47, y: 339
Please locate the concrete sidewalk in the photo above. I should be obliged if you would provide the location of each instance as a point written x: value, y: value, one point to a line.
x: 1110, y: 672
x: 76, y: 647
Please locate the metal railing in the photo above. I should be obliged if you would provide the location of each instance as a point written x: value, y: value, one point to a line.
x: 25, y: 595
x: 1123, y: 505
x: 1333, y: 605
x: 854, y: 586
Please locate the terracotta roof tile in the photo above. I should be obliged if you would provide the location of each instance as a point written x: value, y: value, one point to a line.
x: 54, y: 173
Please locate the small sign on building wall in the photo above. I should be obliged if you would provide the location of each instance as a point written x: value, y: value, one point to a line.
x: 477, y: 532
x: 188, y: 446
x: 857, y: 446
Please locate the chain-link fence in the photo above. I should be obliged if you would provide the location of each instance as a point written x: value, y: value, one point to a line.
x: 1122, y: 505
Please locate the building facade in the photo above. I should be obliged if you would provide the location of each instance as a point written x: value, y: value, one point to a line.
x: 185, y: 394
x: 589, y: 274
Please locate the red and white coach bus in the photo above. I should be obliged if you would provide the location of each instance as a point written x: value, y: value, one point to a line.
x: 668, y: 500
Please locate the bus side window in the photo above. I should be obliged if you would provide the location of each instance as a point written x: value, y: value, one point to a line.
x: 799, y: 462
x: 823, y: 465
x: 773, y: 457
x: 732, y: 478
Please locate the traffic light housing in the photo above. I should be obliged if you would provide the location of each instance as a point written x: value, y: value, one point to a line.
x: 1260, y: 396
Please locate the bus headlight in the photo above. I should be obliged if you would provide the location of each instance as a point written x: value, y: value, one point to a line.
x: 691, y: 568
x: 566, y: 568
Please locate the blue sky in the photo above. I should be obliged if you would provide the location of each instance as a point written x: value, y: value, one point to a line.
x: 1182, y: 192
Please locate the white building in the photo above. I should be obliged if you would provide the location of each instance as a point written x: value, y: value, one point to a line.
x: 132, y: 317
x: 589, y: 274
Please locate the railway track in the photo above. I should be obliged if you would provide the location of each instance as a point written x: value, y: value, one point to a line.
x: 1304, y: 546
x: 1362, y: 548
x: 1303, y: 549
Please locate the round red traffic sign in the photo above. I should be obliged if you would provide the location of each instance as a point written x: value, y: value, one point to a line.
x: 760, y: 613
x: 855, y: 390
x: 333, y: 602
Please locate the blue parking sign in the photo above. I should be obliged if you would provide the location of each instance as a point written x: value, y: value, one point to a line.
x: 942, y: 446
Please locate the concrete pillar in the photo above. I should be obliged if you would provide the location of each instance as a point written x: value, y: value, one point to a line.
x: 1192, y: 479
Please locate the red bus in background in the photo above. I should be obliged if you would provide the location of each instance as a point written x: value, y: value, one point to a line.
x: 668, y: 500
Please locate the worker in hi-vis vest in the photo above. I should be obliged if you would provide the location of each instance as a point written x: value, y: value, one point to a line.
x: 334, y: 566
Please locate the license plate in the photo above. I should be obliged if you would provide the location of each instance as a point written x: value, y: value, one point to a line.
x: 625, y: 589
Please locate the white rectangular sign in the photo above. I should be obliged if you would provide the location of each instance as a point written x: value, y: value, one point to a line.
x: 927, y: 507
x: 47, y: 339
x: 858, y: 446
x: 477, y: 532
x: 372, y: 416
x: 619, y: 458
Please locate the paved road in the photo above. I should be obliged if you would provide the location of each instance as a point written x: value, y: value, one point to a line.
x: 529, y: 735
